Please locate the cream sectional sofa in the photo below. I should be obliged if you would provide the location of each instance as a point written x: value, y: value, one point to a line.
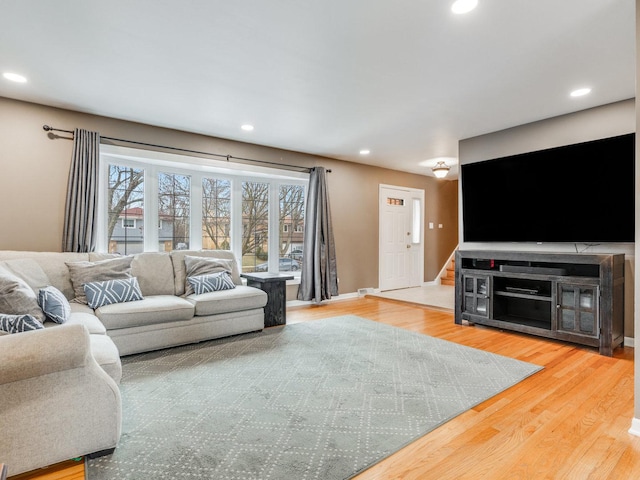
x: 59, y: 385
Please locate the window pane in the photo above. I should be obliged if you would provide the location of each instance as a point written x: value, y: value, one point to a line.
x: 255, y: 226
x: 216, y: 214
x: 174, y: 211
x: 125, y: 230
x: 291, y: 227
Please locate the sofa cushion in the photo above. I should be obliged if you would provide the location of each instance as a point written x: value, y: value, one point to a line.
x: 223, y: 301
x: 99, y: 271
x: 17, y: 298
x: 54, y: 304
x: 179, y: 268
x: 211, y: 282
x: 89, y: 320
x: 196, y: 266
x: 52, y: 263
x: 28, y: 270
x: 112, y: 291
x: 105, y: 352
x: 152, y: 309
x: 19, y: 323
x: 154, y: 272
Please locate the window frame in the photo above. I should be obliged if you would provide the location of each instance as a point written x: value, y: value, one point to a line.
x: 153, y: 162
x: 124, y: 219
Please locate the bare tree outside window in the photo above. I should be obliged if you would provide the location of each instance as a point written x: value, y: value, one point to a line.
x: 174, y: 210
x: 126, y: 203
x: 216, y: 214
x: 255, y: 224
x: 171, y: 217
x: 291, y: 222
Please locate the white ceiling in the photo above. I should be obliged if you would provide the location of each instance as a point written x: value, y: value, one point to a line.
x: 405, y: 79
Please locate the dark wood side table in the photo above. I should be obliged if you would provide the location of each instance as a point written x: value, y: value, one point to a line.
x: 275, y: 285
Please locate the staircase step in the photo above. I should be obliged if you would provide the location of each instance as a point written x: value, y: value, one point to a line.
x: 447, y: 281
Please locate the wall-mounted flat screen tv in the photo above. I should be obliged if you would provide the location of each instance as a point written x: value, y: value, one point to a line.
x: 581, y: 193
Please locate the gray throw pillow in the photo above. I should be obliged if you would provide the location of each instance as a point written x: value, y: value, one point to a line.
x: 211, y: 282
x: 112, y: 291
x: 54, y: 304
x: 100, y: 271
x: 203, y: 265
x: 19, y: 323
x: 17, y: 298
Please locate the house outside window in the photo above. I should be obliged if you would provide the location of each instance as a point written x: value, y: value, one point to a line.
x: 125, y: 206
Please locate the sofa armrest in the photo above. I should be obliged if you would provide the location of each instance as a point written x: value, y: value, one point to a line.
x: 41, y: 352
x: 56, y: 402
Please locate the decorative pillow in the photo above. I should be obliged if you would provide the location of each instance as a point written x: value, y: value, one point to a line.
x: 196, y: 266
x: 211, y: 282
x: 17, y: 298
x: 28, y: 270
x: 19, y: 323
x: 54, y: 304
x: 112, y: 291
x: 100, y: 271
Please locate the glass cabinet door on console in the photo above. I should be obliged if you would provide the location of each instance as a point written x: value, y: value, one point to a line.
x: 476, y: 295
x: 577, y: 309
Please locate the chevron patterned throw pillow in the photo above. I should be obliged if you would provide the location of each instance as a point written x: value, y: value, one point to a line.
x: 211, y: 282
x: 54, y: 304
x: 122, y: 290
x: 19, y: 323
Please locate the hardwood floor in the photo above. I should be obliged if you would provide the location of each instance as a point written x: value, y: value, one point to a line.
x: 568, y: 421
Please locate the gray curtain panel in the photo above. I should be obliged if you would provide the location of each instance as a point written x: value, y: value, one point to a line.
x: 319, y: 280
x: 82, y: 194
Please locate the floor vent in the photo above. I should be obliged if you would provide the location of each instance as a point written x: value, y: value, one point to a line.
x: 363, y: 291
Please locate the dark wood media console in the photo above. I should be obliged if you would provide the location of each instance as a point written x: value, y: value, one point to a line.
x: 576, y: 298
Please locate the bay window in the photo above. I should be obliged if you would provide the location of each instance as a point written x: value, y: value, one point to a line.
x: 152, y: 201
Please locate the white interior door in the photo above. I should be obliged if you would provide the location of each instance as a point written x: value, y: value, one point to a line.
x: 401, y: 247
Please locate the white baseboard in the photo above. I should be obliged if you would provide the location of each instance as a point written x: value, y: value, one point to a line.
x: 629, y: 342
x: 635, y: 427
x: 337, y: 298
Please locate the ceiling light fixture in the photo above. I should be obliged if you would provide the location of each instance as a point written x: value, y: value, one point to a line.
x: 246, y: 127
x: 365, y: 152
x: 580, y: 92
x: 14, y: 77
x: 463, y: 6
x: 440, y: 169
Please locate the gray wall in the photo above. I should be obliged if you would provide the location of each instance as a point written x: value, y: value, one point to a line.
x: 34, y: 171
x: 592, y: 124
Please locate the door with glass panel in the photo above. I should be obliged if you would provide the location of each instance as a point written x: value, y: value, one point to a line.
x: 577, y: 309
x: 401, y: 248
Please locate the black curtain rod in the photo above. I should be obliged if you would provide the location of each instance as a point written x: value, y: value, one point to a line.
x: 47, y: 128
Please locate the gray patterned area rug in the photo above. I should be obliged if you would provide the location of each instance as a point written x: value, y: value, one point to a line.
x: 320, y: 400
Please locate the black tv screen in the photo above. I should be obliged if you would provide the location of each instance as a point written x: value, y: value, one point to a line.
x: 581, y: 193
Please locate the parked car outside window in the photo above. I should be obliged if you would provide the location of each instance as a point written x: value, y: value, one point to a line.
x: 286, y: 265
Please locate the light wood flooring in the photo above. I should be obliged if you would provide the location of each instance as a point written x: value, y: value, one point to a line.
x: 569, y: 421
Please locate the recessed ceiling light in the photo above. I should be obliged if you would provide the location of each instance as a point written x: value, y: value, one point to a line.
x: 365, y: 152
x: 14, y: 77
x: 463, y: 6
x: 580, y: 92
x: 246, y: 127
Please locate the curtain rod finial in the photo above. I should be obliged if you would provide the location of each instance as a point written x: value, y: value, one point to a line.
x: 46, y: 128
